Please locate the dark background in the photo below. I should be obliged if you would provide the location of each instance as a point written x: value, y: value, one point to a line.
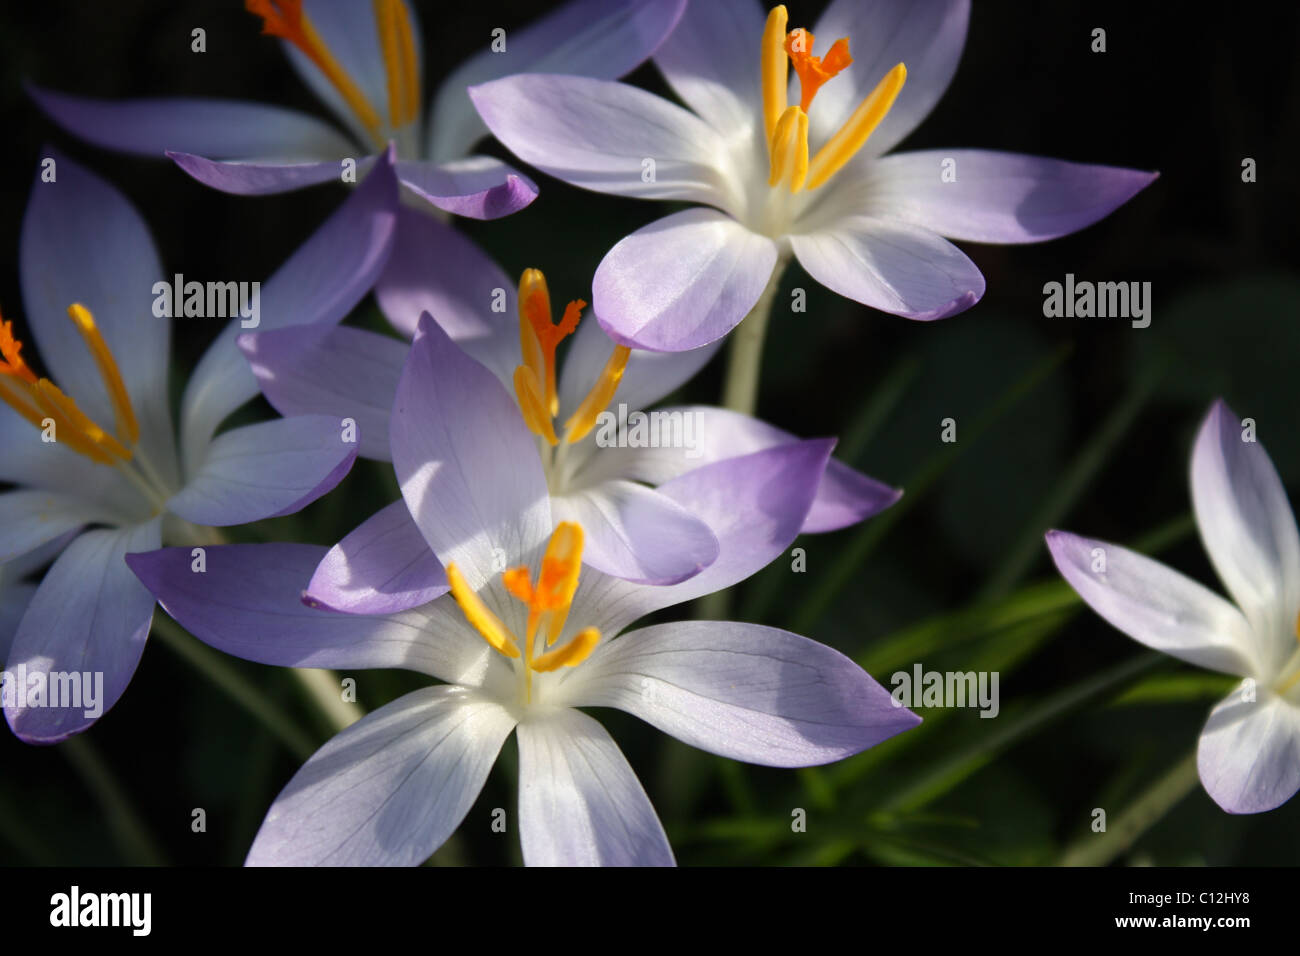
x: 1097, y: 439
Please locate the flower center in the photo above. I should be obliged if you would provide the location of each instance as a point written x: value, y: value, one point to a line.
x: 535, y: 389
x: 45, y: 405
x: 786, y: 127
x: 285, y: 19
x: 548, y: 601
x: 1291, y: 671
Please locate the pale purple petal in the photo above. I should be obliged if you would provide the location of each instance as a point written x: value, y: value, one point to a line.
x: 1249, y: 530
x: 262, y: 177
x: 342, y: 372
x: 598, y: 38
x: 390, y: 789
x: 14, y: 599
x: 381, y: 567
x: 580, y: 803
x: 89, y: 616
x: 892, y: 266
x: 634, y: 532
x: 996, y: 197
x: 222, y: 129
x: 478, y: 187
x: 266, y: 470
x: 468, y: 466
x: 247, y: 601
x: 30, y: 519
x: 1155, y: 605
x: 743, y: 691
x: 681, y: 282
x: 602, y: 135
x: 1249, y: 751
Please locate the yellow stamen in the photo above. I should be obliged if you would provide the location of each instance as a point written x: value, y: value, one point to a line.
x: 54, y: 400
x: 584, y: 419
x: 17, y: 394
x: 394, y: 27
x: 528, y: 392
x: 814, y: 71
x: 841, y: 147
x: 285, y: 19
x: 539, y: 349
x: 127, y: 426
x: 577, y: 650
x: 477, y: 613
x: 774, y: 69
x: 789, y: 149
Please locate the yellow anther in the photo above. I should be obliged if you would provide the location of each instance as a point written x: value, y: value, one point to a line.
x: 577, y: 650
x: 478, y: 615
x: 583, y: 420
x: 789, y: 149
x: 73, y: 428
x: 528, y: 392
x: 127, y: 426
x: 841, y: 147
x: 774, y: 70
x: 400, y: 64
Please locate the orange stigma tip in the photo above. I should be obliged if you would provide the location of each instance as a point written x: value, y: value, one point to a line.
x: 538, y: 337
x: 814, y: 70
x: 11, y: 361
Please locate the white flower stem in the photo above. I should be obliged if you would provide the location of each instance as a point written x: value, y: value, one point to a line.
x: 326, y: 692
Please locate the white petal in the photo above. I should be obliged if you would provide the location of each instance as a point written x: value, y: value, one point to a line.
x: 1249, y: 753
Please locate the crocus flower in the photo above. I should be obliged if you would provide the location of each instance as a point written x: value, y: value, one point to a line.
x: 800, y: 172
x: 361, y: 59
x: 596, y: 475
x: 1249, y: 751
x: 97, y: 469
x: 525, y: 638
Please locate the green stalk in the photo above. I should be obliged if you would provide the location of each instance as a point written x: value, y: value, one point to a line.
x: 129, y: 831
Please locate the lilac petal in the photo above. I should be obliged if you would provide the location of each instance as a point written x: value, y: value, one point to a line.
x: 266, y: 470
x: 712, y: 62
x: 341, y: 372
x: 390, y: 789
x: 224, y: 129
x: 467, y: 465
x: 598, y: 38
x: 89, y: 616
x: 320, y: 283
x: 892, y: 266
x: 261, y: 177
x: 381, y: 567
x: 14, y: 599
x: 30, y: 519
x: 1249, y: 531
x: 247, y: 601
x: 580, y: 803
x: 997, y: 197
x: 437, y: 269
x: 633, y: 532
x: 743, y: 691
x: 599, y: 135
x: 926, y: 35
x: 681, y: 282
x: 108, y: 264
x: 1155, y: 605
x: 478, y: 187
x: 1249, y: 751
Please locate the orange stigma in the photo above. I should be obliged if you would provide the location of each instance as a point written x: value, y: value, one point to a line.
x: 814, y: 70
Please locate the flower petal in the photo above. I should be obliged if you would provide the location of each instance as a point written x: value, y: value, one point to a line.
x: 321, y: 282
x: 14, y: 599
x: 467, y: 465
x: 247, y: 601
x: 340, y: 372
x: 1153, y: 604
x: 222, y: 129
x: 266, y: 470
x: 1249, y: 752
x: 681, y: 282
x: 30, y: 519
x: 381, y: 567
x: 602, y: 135
x: 634, y: 532
x: 580, y: 803
x: 743, y: 691
x: 598, y: 38
x: 892, y: 266
x: 479, y: 187
x: 391, y: 788
x: 997, y: 197
x: 266, y: 177
x: 1249, y: 531
x: 89, y: 617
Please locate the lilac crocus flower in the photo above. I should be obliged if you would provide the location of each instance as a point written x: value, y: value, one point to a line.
x: 809, y: 179
x: 525, y: 638
x: 1249, y: 751
x: 361, y: 59
x: 97, y: 469
x: 599, y: 473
